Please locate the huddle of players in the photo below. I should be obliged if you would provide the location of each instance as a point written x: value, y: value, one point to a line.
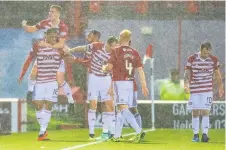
x: 111, y: 68
x: 47, y: 82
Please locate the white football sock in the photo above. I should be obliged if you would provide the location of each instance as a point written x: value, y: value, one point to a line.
x: 118, y: 125
x: 205, y: 124
x: 91, y: 120
x: 46, y: 118
x: 195, y: 125
x: 111, y: 122
x: 138, y: 119
x: 131, y: 120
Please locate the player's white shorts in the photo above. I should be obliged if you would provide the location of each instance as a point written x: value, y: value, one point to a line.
x: 123, y: 92
x: 46, y: 91
x: 61, y: 67
x: 200, y: 101
x: 133, y: 101
x: 98, y: 87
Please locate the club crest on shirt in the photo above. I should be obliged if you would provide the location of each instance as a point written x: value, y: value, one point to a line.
x: 128, y: 56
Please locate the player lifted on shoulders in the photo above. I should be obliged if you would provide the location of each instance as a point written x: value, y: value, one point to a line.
x: 123, y: 62
x: 198, y: 80
x: 53, y: 21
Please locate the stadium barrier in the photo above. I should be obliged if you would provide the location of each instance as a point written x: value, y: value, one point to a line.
x: 13, y: 115
x: 167, y: 114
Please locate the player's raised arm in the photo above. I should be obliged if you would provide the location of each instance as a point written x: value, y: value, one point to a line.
x: 28, y: 28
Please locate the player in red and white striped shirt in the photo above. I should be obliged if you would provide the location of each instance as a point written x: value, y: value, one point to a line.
x: 198, y: 80
x: 98, y: 83
x: 46, y: 89
x: 53, y: 21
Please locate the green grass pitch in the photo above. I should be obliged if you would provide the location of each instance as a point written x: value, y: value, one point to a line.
x: 160, y: 139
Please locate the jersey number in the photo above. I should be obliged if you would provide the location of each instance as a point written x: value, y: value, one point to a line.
x: 129, y: 67
x: 209, y: 100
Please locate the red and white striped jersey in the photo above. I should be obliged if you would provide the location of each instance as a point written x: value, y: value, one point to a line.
x: 46, y: 24
x: 202, y: 71
x: 99, y: 57
x: 48, y: 62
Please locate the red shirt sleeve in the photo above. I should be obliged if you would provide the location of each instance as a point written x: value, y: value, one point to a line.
x: 216, y: 62
x: 41, y: 25
x: 189, y: 63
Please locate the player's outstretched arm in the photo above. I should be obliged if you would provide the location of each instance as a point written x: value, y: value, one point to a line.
x: 28, y: 28
x: 143, y: 81
x: 78, y: 49
x: 219, y: 82
x: 187, y: 77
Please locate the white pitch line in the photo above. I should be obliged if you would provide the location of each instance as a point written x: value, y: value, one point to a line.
x: 98, y: 142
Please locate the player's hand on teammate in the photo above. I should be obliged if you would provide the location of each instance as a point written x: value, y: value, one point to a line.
x: 104, y: 68
x: 24, y: 23
x: 145, y: 91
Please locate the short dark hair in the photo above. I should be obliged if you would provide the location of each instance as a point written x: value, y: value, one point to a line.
x: 52, y: 30
x: 206, y: 45
x: 96, y: 33
x: 57, y: 7
x: 112, y: 39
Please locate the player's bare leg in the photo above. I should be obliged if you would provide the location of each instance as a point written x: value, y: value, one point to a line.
x: 205, y: 125
x: 92, y: 118
x: 195, y: 124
